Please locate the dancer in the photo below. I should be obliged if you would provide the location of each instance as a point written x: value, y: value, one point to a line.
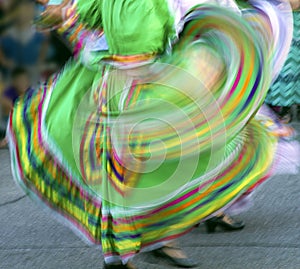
x: 150, y: 128
x: 19, y: 86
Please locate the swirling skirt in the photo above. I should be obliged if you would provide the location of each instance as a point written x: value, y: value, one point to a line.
x: 135, y: 153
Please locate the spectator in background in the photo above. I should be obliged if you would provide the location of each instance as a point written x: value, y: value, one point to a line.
x: 7, y: 13
x: 285, y: 91
x: 20, y: 85
x: 2, y: 122
x: 22, y: 45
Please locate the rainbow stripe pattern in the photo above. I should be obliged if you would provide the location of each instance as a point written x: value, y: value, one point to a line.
x: 134, y: 150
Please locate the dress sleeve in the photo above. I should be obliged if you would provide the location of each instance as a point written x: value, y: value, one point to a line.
x: 80, y: 24
x: 89, y: 13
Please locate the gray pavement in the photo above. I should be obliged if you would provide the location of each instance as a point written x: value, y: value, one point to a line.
x: 31, y: 239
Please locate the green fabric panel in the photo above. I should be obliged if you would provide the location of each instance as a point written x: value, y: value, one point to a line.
x: 146, y: 30
x: 74, y: 82
x: 89, y: 13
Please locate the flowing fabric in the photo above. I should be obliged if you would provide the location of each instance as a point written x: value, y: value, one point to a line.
x: 148, y: 131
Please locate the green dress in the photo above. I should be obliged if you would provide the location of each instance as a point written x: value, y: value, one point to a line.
x: 150, y: 129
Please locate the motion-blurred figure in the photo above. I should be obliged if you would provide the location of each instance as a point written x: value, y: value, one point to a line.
x: 19, y: 86
x: 285, y: 92
x: 21, y: 45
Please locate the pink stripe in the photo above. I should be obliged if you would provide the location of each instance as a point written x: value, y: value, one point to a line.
x: 130, y: 93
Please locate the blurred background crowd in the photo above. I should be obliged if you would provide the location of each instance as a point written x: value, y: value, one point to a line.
x: 27, y: 55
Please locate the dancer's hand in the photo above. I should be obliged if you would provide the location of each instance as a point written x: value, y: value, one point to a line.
x: 3, y: 143
x: 52, y: 16
x: 42, y: 2
x: 295, y: 4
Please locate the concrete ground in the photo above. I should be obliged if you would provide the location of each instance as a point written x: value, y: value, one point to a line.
x: 31, y: 239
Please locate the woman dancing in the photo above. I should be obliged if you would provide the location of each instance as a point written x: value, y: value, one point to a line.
x: 150, y: 129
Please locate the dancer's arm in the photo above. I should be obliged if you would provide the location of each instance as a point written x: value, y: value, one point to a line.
x: 69, y: 22
x: 88, y: 11
x: 295, y: 4
x: 186, y: 5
